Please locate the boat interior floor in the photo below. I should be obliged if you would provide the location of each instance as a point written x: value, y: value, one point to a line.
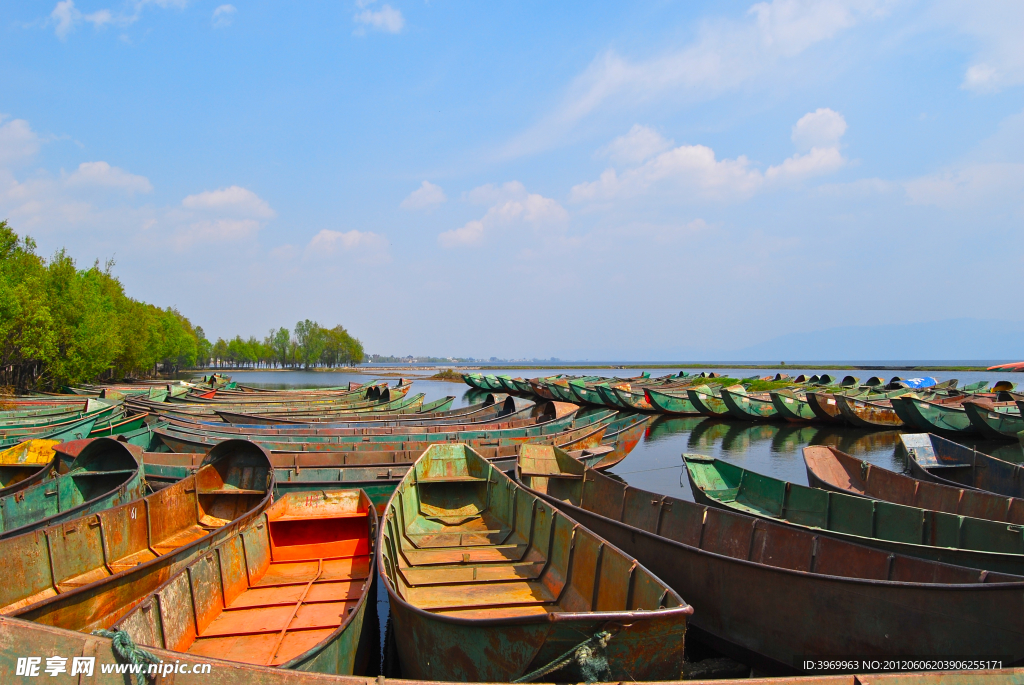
x: 317, y: 572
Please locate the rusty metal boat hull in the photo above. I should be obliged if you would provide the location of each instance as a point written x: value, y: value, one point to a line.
x: 776, y: 596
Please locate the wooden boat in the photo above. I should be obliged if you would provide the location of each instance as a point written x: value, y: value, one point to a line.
x: 936, y: 459
x: 291, y: 591
x: 921, y: 533
x: 752, y: 407
x: 707, y: 400
x: 584, y: 436
x: 813, y: 595
x: 830, y: 469
x: 823, y: 404
x: 71, y: 430
x: 46, y: 424
x: 791, y: 406
x: 118, y: 426
x: 867, y: 412
x: 85, y: 573
x: 489, y: 583
x: 994, y: 420
x: 671, y: 403
x: 945, y: 415
x: 367, y: 437
x: 104, y: 475
x: 22, y: 637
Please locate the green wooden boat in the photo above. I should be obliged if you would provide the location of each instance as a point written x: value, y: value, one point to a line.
x: 118, y: 426
x: 46, y: 424
x: 585, y: 394
x: 636, y: 400
x: 922, y: 533
x: 610, y: 397
x: 489, y: 583
x: 104, y: 475
x: 672, y: 403
x: 291, y: 592
x: 942, y: 415
x: 757, y: 407
x: 995, y: 420
x: 707, y: 400
x: 69, y: 431
x: 792, y: 406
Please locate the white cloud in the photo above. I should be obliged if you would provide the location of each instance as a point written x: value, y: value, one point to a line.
x: 102, y: 175
x: 427, y: 196
x: 223, y: 15
x: 234, y: 200
x: 817, y: 162
x: 640, y: 143
x: 512, y: 206
x: 726, y: 55
x: 972, y: 185
x: 385, y: 19
x: 694, y: 171
x: 820, y: 128
x: 996, y: 27
x: 330, y: 242
x: 204, y: 233
x: 18, y: 141
x: 65, y: 17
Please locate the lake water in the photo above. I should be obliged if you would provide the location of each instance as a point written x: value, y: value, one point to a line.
x: 656, y: 464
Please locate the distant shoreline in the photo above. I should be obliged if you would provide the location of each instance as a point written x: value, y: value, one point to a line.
x: 418, y: 370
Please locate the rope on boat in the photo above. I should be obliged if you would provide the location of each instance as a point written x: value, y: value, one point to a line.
x: 127, y: 650
x: 588, y: 655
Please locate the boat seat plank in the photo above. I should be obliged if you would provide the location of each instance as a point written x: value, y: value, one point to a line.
x: 133, y: 560
x: 244, y: 648
x: 180, y: 539
x: 480, y: 595
x: 250, y: 621
x: 475, y: 555
x: 498, y: 612
x: 458, y: 539
x: 291, y: 572
x: 83, y: 579
x: 471, y: 574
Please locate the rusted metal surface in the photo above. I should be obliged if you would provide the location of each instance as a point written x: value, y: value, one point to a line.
x: 87, y: 579
x: 487, y: 582
x: 823, y: 404
x: 868, y: 413
x: 21, y: 638
x: 830, y: 469
x: 773, y: 595
x: 290, y: 590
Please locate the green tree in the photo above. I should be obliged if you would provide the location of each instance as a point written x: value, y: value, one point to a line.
x: 311, y: 341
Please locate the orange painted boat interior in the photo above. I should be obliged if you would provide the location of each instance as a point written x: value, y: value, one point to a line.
x: 307, y: 579
x: 462, y: 539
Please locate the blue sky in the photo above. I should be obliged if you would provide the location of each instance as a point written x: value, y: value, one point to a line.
x: 589, y: 180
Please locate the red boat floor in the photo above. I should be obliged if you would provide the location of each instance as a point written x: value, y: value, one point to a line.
x: 318, y: 570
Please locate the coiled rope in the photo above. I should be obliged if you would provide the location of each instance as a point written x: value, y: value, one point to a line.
x: 588, y: 656
x: 126, y: 649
